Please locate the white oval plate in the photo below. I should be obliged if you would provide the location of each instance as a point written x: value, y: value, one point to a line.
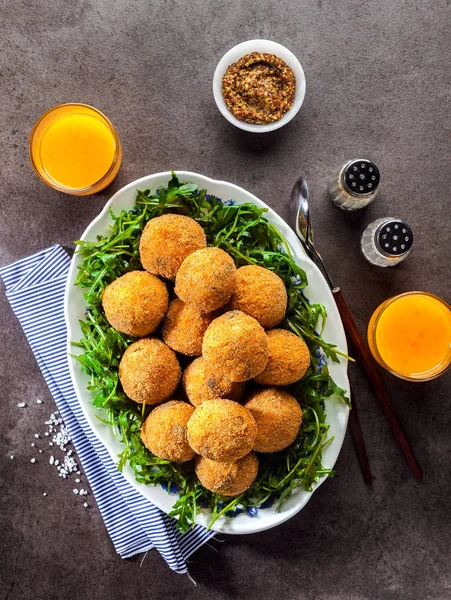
x: 317, y: 291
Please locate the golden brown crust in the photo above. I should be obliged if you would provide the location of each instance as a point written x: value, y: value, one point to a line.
x: 166, y: 241
x: 184, y: 327
x: 206, y: 279
x: 227, y: 479
x: 289, y: 359
x: 135, y: 303
x: 149, y: 371
x: 278, y: 417
x: 201, y: 383
x: 261, y: 294
x: 164, y: 431
x: 222, y: 430
x: 236, y: 346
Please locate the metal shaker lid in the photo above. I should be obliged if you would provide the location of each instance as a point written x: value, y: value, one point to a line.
x: 361, y: 177
x: 394, y: 237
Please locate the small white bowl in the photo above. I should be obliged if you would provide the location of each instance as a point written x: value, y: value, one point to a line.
x: 269, y: 47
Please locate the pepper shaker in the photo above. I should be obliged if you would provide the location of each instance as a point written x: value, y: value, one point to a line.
x: 386, y: 242
x: 355, y: 184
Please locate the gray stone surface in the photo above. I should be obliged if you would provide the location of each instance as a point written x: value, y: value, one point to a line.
x: 378, y: 85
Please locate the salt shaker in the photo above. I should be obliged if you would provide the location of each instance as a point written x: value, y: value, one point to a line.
x: 355, y: 184
x: 386, y: 242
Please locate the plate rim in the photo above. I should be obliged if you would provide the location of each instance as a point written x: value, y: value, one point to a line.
x: 219, y: 526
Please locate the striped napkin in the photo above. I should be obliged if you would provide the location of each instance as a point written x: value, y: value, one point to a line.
x: 35, y: 289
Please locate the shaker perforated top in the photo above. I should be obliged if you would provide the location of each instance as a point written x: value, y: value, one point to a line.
x: 394, y: 238
x: 361, y: 177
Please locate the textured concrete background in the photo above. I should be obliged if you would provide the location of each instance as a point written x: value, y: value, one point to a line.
x: 378, y: 85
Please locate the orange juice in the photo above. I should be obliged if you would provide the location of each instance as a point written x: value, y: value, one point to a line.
x: 410, y: 335
x: 74, y: 148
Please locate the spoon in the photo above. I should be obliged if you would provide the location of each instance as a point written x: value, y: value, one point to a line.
x: 300, y: 218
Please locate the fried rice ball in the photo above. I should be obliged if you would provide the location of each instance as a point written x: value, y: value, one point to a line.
x: 164, y: 431
x: 278, y: 417
x: 289, y: 359
x: 206, y: 279
x: 166, y: 241
x: 236, y: 345
x: 261, y: 294
x: 149, y: 371
x: 135, y: 303
x: 227, y: 479
x: 184, y: 327
x: 201, y: 383
x: 222, y: 430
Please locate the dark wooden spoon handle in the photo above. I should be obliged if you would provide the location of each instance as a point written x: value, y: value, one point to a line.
x: 359, y: 442
x: 367, y: 361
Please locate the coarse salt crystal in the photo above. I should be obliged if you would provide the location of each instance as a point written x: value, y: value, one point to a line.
x: 56, y: 463
x: 86, y: 505
x: 77, y: 481
x: 44, y: 494
x: 38, y: 401
x: 21, y: 404
x: 40, y: 451
x: 75, y: 491
x: 33, y: 460
x: 46, y: 433
x: 12, y: 457
x: 32, y: 444
x: 51, y: 459
x: 37, y: 436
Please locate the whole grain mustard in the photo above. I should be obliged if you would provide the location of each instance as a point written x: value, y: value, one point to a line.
x: 259, y: 88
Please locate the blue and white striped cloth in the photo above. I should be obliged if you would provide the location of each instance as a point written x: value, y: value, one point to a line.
x: 35, y: 290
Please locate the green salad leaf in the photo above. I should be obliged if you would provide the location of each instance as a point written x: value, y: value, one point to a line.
x: 245, y: 233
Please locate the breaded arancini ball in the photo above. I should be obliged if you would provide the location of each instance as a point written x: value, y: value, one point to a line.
x: 164, y: 431
x: 201, y: 383
x: 166, y: 241
x: 222, y: 430
x: 227, y: 479
x: 206, y: 279
x: 135, y: 303
x: 184, y: 327
x: 236, y: 346
x: 289, y: 359
x: 149, y: 371
x: 261, y: 294
x: 278, y: 417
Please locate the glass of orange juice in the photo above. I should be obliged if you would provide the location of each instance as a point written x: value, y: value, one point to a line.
x: 410, y: 336
x: 75, y: 149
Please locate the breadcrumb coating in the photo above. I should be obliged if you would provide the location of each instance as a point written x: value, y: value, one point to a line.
x: 149, y: 371
x: 135, y: 303
x: 164, y: 431
x: 184, y: 327
x: 227, y: 479
x: 289, y: 359
x: 201, y: 383
x: 236, y: 346
x: 278, y: 417
x: 166, y: 241
x: 206, y: 279
x: 222, y: 430
x: 261, y: 294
